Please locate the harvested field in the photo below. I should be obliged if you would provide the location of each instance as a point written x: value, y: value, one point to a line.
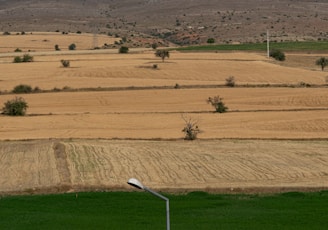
x: 88, y: 135
x: 222, y: 165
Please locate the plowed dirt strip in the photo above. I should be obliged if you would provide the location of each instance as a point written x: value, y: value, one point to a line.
x: 206, y: 165
x: 259, y: 125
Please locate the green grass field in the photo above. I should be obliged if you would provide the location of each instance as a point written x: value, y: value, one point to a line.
x: 141, y: 210
x: 285, y: 46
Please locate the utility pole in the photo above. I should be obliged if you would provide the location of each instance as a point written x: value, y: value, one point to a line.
x: 268, y: 44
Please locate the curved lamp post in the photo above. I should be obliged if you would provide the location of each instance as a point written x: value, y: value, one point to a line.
x: 135, y: 183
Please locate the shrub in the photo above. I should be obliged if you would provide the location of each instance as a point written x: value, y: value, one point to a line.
x: 278, y: 55
x: 27, y: 58
x: 323, y: 62
x: 65, y: 63
x: 57, y: 47
x: 218, y: 104
x: 18, y: 50
x: 36, y: 89
x: 177, y: 86
x: 155, y: 66
x: 15, y: 107
x: 18, y: 59
x: 211, y: 40
x: 6, y: 33
x: 72, y: 46
x: 22, y: 89
x: 191, y: 129
x: 230, y: 81
x: 123, y: 50
x: 154, y: 46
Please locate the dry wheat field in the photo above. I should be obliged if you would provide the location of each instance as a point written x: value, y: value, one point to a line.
x: 118, y: 117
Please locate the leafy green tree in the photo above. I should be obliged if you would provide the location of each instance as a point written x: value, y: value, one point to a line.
x: 15, y: 107
x: 162, y: 54
x: 323, y: 62
x: 211, y: 40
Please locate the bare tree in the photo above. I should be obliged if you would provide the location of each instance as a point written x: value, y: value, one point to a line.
x: 191, y: 129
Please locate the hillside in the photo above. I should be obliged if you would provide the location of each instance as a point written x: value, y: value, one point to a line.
x: 181, y: 22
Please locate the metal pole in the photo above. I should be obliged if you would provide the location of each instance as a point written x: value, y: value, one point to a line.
x: 167, y: 214
x: 167, y: 205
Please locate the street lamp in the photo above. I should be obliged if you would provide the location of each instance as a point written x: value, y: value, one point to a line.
x: 135, y: 183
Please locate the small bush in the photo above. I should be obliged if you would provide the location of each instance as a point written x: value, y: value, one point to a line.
x: 177, y: 86
x: 6, y: 33
x: 211, y: 40
x: 57, y: 48
x: 218, y: 104
x: 72, y: 46
x: 123, y: 50
x: 304, y: 84
x: 17, y: 50
x: 191, y: 129
x: 278, y: 55
x: 155, y: 66
x: 65, y: 63
x: 36, y: 89
x: 22, y: 89
x: 18, y: 59
x: 230, y: 81
x: 154, y: 46
x: 15, y: 107
x: 27, y: 58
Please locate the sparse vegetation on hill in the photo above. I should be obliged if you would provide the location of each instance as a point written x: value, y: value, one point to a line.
x: 211, y: 40
x: 15, y: 107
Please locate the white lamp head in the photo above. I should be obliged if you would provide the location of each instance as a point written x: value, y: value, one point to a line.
x: 135, y: 183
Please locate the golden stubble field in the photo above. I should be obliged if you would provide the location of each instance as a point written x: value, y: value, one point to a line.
x: 272, y: 138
